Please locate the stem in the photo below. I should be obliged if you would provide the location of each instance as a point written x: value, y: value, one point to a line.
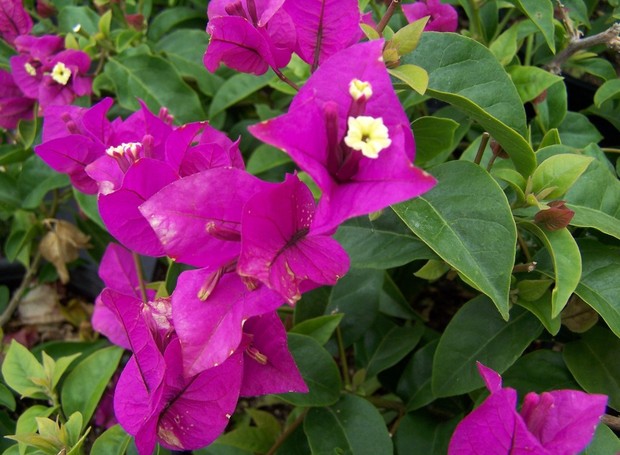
x: 343, y: 359
x: 491, y: 161
x: 285, y: 79
x: 609, y: 37
x: 529, y: 267
x: 379, y: 402
x: 612, y: 422
x: 138, y: 264
x: 502, y: 24
x: 529, y: 46
x: 19, y: 293
x: 387, y: 16
x: 286, y: 433
x: 524, y: 248
x: 483, y: 145
x: 476, y: 23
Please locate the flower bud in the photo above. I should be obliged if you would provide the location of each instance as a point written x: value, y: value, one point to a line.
x: 556, y: 217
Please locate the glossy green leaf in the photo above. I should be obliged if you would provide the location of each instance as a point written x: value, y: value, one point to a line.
x: 541, y: 308
x: 434, y: 138
x: 426, y: 432
x: 352, y: 426
x: 70, y: 17
x: 406, y: 39
x: 19, y: 368
x: 478, y: 334
x: 113, y: 441
x: 264, y: 158
x: 257, y: 438
x: 553, y: 109
x: 12, y: 153
x: 414, y: 76
x: 88, y: 205
x: 540, y: 12
x: 577, y: 131
x: 610, y: 90
x: 449, y: 218
x: 381, y: 244
x: 505, y: 46
x: 593, y: 361
x: 539, y: 371
x: 318, y: 370
x: 564, y: 252
x: 188, y: 59
x: 599, y: 286
x: 84, y: 386
x: 177, y: 17
x: 551, y: 137
x: 320, y: 328
x: 27, y: 423
x: 236, y: 88
x: 36, y: 196
x: 531, y: 81
x: 7, y: 399
x: 466, y: 74
x: 156, y: 82
x: 558, y: 173
x: 595, y: 199
x: 27, y: 130
x: 392, y: 302
x: 414, y: 386
x: 356, y: 295
x: 386, y: 348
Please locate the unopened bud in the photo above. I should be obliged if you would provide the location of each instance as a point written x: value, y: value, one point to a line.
x: 556, y: 217
x: 135, y: 21
x: 498, y: 150
x: 45, y: 9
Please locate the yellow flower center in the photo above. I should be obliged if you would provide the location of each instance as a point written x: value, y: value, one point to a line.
x: 358, y: 88
x: 368, y: 135
x: 30, y: 69
x: 60, y: 73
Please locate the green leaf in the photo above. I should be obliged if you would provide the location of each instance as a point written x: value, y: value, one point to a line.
x: 466, y: 74
x: 264, y: 158
x: 505, y: 46
x: 434, y: 138
x: 414, y: 386
x: 351, y: 426
x: 531, y: 81
x: 599, y: 286
x: 36, y: 196
x: 176, y: 17
x: 6, y: 398
x: 414, y: 76
x: 450, y: 217
x: 595, y: 199
x: 258, y: 438
x: 27, y: 423
x: 27, y: 130
x: 12, y: 153
x: 61, y: 366
x: 577, y: 131
x: 113, y: 441
x: 380, y: 244
x: 542, y: 309
x: 19, y: 368
x: 593, y: 361
x: 84, y: 386
x: 539, y: 371
x: 478, y: 334
x: 427, y: 432
x: 564, y: 253
x: 318, y: 370
x: 71, y: 16
x: 236, y: 88
x: 558, y: 173
x: 156, y: 82
x: 356, y: 295
x: 552, y: 110
x: 88, y: 205
x: 188, y: 59
x: 610, y: 90
x: 540, y: 12
x: 406, y: 39
x: 320, y: 328
x: 551, y: 137
x: 387, y: 349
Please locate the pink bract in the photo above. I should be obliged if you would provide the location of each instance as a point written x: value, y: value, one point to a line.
x: 443, y: 17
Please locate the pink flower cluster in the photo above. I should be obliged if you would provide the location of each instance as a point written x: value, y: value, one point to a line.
x: 255, y: 245
x: 43, y: 71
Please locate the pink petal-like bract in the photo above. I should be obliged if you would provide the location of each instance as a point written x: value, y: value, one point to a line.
x: 313, y: 133
x: 14, y: 106
x: 278, y: 246
x: 268, y: 366
x: 324, y: 27
x: 443, y: 17
x: 202, y: 226
x: 208, y: 308
x: 14, y: 20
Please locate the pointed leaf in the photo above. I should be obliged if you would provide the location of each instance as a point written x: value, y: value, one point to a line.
x: 541, y: 13
x: 414, y: 76
x: 425, y: 431
x: 320, y: 328
x: 351, y: 426
x: 236, y: 88
x: 449, y: 219
x: 558, y: 173
x: 478, y: 334
x: 593, y: 362
x: 392, y: 347
x: 414, y: 385
x: 466, y: 74
x: 19, y: 368
x: 84, y: 386
x: 114, y: 441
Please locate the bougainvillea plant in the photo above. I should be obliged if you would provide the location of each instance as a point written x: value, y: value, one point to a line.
x: 310, y: 226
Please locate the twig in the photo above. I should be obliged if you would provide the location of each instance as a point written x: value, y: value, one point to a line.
x: 343, y: 359
x: 609, y: 37
x: 285, y: 79
x: 286, y: 433
x: 19, y: 293
x: 483, y: 145
x: 612, y: 422
x: 140, y: 272
x: 387, y: 16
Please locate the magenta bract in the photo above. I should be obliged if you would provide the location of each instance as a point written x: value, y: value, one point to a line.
x: 14, y: 106
x: 561, y: 422
x: 349, y: 94
x: 280, y: 248
x: 14, y: 20
x: 443, y: 17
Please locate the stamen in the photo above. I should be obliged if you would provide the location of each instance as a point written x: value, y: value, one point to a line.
x: 30, y: 69
x: 257, y: 355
